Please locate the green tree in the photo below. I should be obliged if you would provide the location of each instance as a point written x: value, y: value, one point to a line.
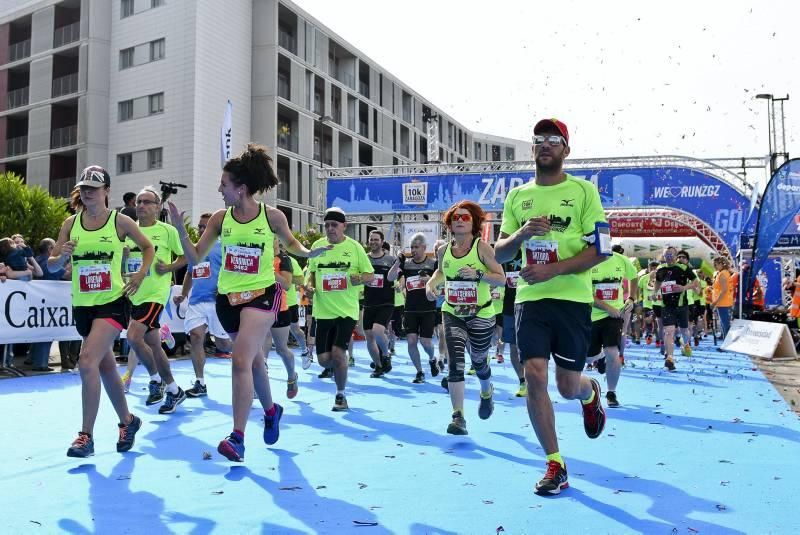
x: 29, y: 211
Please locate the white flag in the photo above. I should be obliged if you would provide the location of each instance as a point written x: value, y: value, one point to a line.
x: 225, y: 135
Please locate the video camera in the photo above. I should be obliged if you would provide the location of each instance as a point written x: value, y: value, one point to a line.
x: 169, y: 188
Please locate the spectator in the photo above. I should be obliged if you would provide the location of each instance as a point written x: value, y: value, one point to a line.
x: 19, y: 257
x: 42, y: 254
x: 129, y: 208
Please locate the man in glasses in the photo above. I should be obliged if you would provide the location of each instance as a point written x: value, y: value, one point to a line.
x: 148, y: 303
x: 201, y: 315
x: 673, y: 279
x: 558, y: 223
x: 334, y: 280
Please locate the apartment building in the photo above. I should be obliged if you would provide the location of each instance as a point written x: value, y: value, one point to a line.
x: 140, y: 86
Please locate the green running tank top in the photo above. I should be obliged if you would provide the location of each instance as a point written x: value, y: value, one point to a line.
x: 465, y: 297
x: 96, y: 263
x: 247, y: 253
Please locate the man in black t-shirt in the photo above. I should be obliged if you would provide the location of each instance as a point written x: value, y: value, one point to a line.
x: 509, y: 335
x: 673, y: 279
x: 420, y: 312
x: 379, y: 302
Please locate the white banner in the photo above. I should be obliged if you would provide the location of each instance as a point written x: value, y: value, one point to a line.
x: 429, y: 228
x: 225, y: 135
x: 41, y: 311
x: 760, y: 339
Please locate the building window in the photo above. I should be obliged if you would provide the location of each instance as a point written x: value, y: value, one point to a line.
x: 157, y: 49
x: 156, y: 3
x: 126, y: 110
x: 510, y: 154
x: 124, y: 163
x: 154, y: 158
x: 126, y: 8
x: 477, y: 154
x: 156, y: 103
x: 126, y: 58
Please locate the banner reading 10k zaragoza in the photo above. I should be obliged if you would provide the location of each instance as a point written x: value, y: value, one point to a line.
x: 705, y: 196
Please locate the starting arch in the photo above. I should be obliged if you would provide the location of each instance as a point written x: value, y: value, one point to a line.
x: 707, y: 198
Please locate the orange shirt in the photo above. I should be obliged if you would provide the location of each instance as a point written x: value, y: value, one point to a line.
x: 727, y: 299
x: 276, y: 264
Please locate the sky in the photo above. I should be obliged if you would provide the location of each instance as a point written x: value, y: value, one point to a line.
x: 628, y: 78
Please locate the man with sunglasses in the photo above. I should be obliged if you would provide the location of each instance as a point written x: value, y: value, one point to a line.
x: 673, y: 279
x: 558, y: 223
x: 201, y: 315
x: 334, y: 280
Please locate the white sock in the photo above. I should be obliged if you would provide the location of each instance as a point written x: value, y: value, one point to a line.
x: 172, y: 388
x: 156, y: 378
x: 201, y: 381
x: 340, y: 392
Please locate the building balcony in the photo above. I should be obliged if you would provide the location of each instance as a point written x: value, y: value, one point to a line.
x: 64, y: 137
x: 66, y: 34
x: 288, y: 42
x: 61, y: 187
x: 17, y: 98
x: 64, y: 85
x: 287, y: 142
x: 20, y: 50
x: 17, y: 145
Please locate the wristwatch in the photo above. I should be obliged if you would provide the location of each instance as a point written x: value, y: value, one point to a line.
x: 478, y: 274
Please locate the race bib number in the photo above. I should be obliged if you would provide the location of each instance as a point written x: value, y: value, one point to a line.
x: 512, y: 277
x: 201, y: 270
x: 134, y: 265
x: 495, y: 293
x: 376, y: 282
x: 414, y: 283
x: 668, y: 287
x: 541, y: 252
x: 606, y: 291
x: 245, y: 260
x: 93, y: 279
x: 461, y: 292
x: 334, y: 282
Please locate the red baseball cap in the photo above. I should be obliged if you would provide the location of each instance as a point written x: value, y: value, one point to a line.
x: 561, y: 127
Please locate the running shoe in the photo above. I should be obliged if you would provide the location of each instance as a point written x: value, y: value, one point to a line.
x: 669, y: 364
x: 458, y: 426
x: 622, y: 360
x: 127, y: 434
x: 500, y: 359
x: 340, y: 403
x: 83, y: 446
x: 308, y: 358
x: 377, y: 373
x: 271, y: 428
x: 434, y: 367
x: 696, y: 341
x: 232, y: 448
x: 658, y: 343
x: 649, y: 339
x: 172, y: 402
x: 523, y: 390
x: 126, y: 381
x: 222, y: 355
x: 687, y: 350
x: 471, y: 370
x: 386, y: 363
x: 351, y: 361
x: 611, y: 399
x: 420, y: 378
x: 594, y: 416
x: 196, y: 391
x: 554, y: 480
x: 486, y: 407
x: 600, y: 364
x: 166, y: 336
x: 291, y: 387
x: 156, y: 392
x: 327, y: 373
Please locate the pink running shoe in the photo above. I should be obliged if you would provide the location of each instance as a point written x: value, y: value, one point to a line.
x: 166, y: 336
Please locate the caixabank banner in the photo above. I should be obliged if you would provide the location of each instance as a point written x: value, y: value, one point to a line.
x: 719, y: 205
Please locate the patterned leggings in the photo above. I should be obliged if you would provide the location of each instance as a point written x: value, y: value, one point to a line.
x: 458, y: 332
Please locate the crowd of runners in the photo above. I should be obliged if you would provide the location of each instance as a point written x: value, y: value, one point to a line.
x: 551, y: 286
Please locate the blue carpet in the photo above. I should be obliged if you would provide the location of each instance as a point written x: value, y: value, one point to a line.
x: 710, y: 449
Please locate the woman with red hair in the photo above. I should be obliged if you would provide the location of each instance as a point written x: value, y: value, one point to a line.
x: 467, y: 268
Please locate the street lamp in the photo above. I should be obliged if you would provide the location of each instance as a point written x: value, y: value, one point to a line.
x: 768, y: 98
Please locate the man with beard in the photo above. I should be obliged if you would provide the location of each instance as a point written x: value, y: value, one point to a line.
x: 379, y: 302
x: 558, y: 223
